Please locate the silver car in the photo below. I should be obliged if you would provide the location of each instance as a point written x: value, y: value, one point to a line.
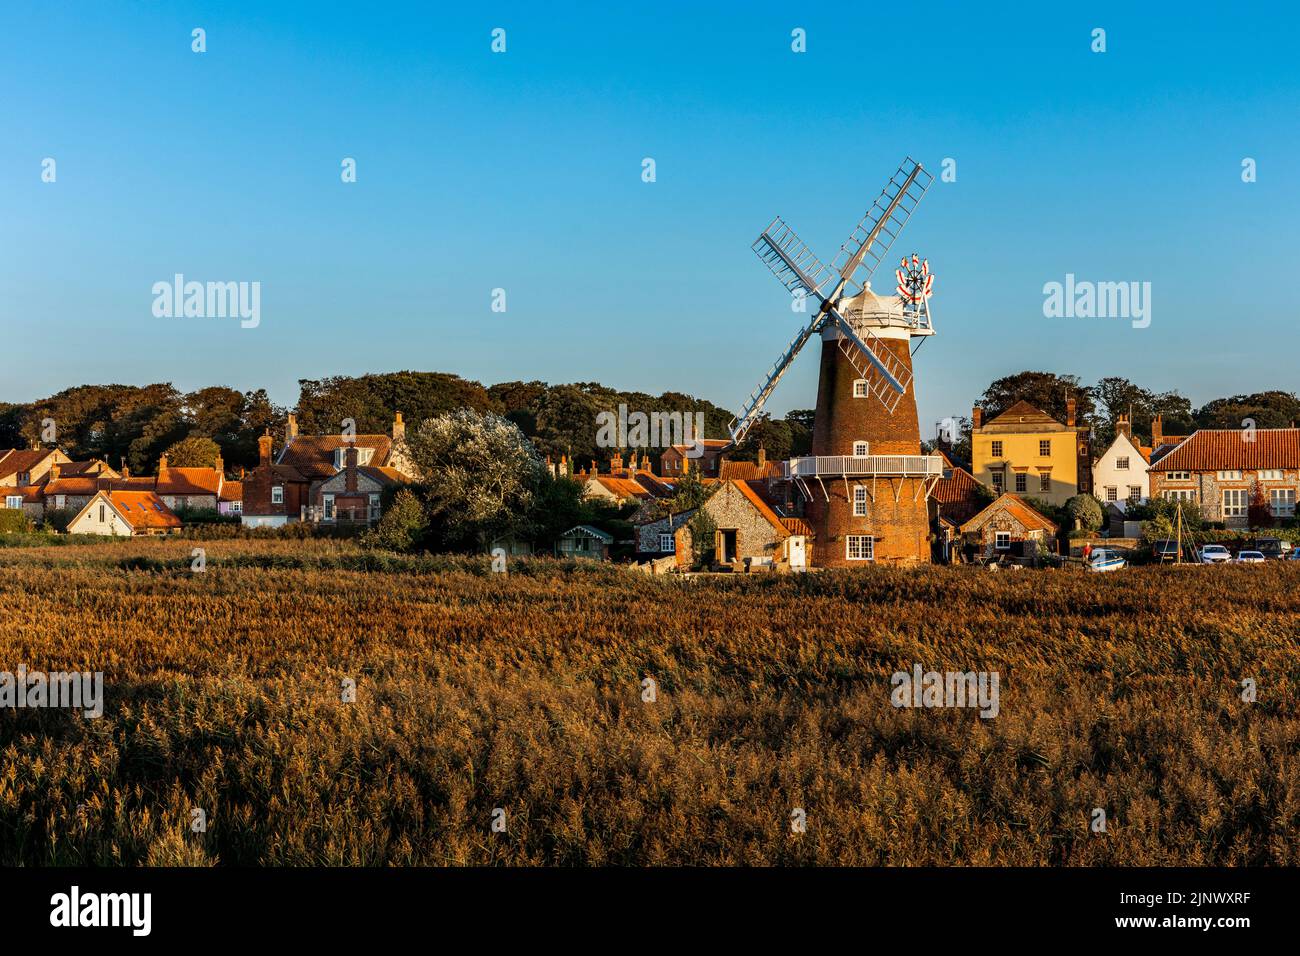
x: 1215, y: 554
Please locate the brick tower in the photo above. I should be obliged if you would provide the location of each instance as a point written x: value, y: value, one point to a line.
x: 866, y: 485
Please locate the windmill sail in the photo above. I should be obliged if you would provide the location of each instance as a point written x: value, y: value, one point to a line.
x: 887, y: 376
x: 870, y: 240
x: 754, y: 404
x: 790, y: 260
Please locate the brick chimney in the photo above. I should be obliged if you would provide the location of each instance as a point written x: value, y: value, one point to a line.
x: 162, y: 464
x: 1071, y: 409
x: 977, y: 417
x: 291, y: 428
x: 564, y: 464
x: 264, y: 449
x: 350, y: 480
x: 1157, y: 432
x: 762, y: 457
x: 616, y: 463
x: 126, y: 470
x: 104, y: 484
x: 219, y: 465
x: 1123, y: 426
x: 399, y: 427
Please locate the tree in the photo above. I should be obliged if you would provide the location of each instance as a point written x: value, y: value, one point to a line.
x: 1044, y: 390
x: 703, y: 531
x: 1118, y: 396
x: 193, y: 452
x: 404, y: 526
x: 1258, y: 512
x: 1275, y: 409
x: 371, y: 400
x: 774, y: 436
x: 1086, y: 512
x: 480, y: 476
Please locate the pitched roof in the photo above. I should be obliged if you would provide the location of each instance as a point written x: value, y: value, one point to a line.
x: 140, y: 510
x: 15, y: 460
x: 31, y: 493
x: 748, y: 470
x: 621, y: 487
x: 763, y: 507
x: 385, y: 476
x: 797, y: 526
x: 188, y: 481
x: 1017, y: 508
x: 232, y: 491
x: 91, y: 466
x: 76, y: 485
x: 587, y: 531
x: 313, y: 455
x: 1232, y: 449
x: 1021, y: 414
x: 712, y: 445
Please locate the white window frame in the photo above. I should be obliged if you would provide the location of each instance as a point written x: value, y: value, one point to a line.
x: 1241, y: 502
x: 861, y: 388
x: 373, y: 502
x: 1112, y: 493
x: 1180, y: 494
x: 1001, y: 540
x: 667, y: 543
x: 865, y: 446
x: 1134, y: 492
x: 13, y: 501
x: 1121, y: 463
x: 1044, y: 481
x: 1178, y: 476
x: 1287, y: 498
x: 1229, y: 476
x: 277, y: 494
x: 236, y: 507
x: 859, y: 501
x: 328, y: 511
x: 1272, y: 474
x: 864, y: 544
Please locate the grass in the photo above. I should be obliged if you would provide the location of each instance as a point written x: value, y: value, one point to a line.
x: 523, y: 692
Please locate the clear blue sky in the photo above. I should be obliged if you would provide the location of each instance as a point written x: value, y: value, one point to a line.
x: 522, y: 171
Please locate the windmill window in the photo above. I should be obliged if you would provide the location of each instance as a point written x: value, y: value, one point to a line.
x: 859, y: 547
x: 860, y: 388
x: 859, y: 501
x: 861, y: 449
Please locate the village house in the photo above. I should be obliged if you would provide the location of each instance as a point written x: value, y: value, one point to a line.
x: 26, y: 468
x: 1220, y: 469
x: 1161, y: 443
x: 124, y: 514
x: 585, y: 542
x: 704, y: 457
x: 955, y: 499
x: 197, y: 489
x: 1119, y: 474
x: 1009, y: 527
x: 623, y: 484
x: 1027, y: 452
x: 749, y: 533
x: 328, y: 479
x: 231, y: 500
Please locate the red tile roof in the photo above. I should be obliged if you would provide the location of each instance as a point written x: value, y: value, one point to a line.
x: 797, y: 526
x: 763, y: 507
x: 959, y: 495
x: 622, y: 487
x: 1228, y: 449
x: 748, y: 470
x: 313, y: 455
x: 1014, y: 506
x: 188, y: 481
x: 15, y: 460
x: 141, y: 510
x: 232, y: 491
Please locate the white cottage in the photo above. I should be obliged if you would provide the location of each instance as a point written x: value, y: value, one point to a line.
x: 1119, y: 475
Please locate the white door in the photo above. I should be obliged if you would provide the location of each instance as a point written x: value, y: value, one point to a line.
x: 797, y: 558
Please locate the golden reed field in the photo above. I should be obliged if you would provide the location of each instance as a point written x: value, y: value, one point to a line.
x: 523, y: 692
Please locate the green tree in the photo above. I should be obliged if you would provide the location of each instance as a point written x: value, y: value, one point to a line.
x: 1086, y: 512
x: 1046, y: 391
x: 404, y: 525
x: 193, y: 452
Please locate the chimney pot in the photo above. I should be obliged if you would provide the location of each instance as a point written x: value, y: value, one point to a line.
x: 977, y: 417
x: 399, y: 427
x: 1071, y: 407
x: 264, y: 449
x: 291, y: 428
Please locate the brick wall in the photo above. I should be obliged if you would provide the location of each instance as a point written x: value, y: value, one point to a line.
x: 1208, y: 490
x: 900, y: 526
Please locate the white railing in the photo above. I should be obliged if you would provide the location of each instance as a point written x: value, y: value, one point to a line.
x: 908, y: 466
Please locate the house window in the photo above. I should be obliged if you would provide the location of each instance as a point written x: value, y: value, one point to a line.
x: 1281, y: 502
x: 374, y: 507
x: 1045, y: 481
x: 1021, y: 483
x: 998, y: 478
x: 1112, y: 493
x: 13, y: 501
x: 327, y: 502
x: 995, y: 449
x: 1045, y: 448
x: 1230, y: 476
x: 1002, y: 540
x: 860, y: 547
x: 101, y: 514
x: 236, y: 507
x: 1180, y: 494
x: 277, y: 495
x: 1270, y: 474
x: 1134, y: 492
x: 1121, y: 464
x: 1234, y: 503
x: 860, y: 388
x: 860, y: 449
x: 859, y: 501
x: 1179, y: 476
x: 667, y: 543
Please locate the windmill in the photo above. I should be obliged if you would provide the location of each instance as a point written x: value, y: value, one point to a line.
x: 866, y: 485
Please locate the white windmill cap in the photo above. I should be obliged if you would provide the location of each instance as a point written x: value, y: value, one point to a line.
x: 866, y: 304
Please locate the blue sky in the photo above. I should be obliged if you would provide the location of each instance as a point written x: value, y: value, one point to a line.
x: 523, y: 171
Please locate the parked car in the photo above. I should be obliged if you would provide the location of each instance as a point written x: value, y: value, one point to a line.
x: 1214, y: 554
x: 1251, y: 557
x: 1165, y: 550
x: 1275, y: 549
x: 1105, y: 559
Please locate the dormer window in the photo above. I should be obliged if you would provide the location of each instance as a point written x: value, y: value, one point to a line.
x: 341, y: 456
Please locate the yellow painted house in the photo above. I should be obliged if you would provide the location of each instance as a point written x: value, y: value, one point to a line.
x: 1026, y: 452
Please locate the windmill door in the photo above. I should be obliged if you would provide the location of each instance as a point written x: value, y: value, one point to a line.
x: 797, y: 552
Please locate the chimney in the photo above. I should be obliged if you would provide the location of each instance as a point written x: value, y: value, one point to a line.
x: 616, y: 463
x: 1123, y: 426
x: 219, y: 465
x: 976, y: 417
x: 1071, y: 407
x: 241, y: 472
x: 264, y: 449
x: 645, y: 461
x: 162, y: 464
x: 564, y: 465
x: 762, y: 457
x: 54, y: 472
x: 291, y: 428
x: 686, y: 464
x: 126, y: 470
x: 399, y: 427
x: 350, y: 481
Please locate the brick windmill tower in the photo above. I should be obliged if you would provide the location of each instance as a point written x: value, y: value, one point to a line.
x: 866, y: 486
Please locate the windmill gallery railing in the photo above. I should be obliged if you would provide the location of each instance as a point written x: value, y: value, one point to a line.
x: 907, y: 466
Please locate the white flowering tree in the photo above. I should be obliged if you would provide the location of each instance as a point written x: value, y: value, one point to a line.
x: 480, y: 475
